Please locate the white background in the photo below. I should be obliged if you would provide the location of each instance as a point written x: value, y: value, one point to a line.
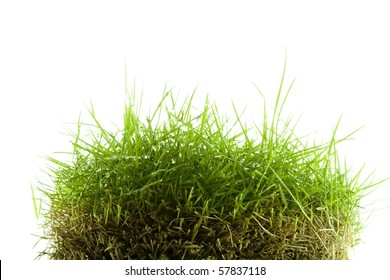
x: 56, y: 56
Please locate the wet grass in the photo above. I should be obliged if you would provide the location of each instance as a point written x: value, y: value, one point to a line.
x: 192, y: 187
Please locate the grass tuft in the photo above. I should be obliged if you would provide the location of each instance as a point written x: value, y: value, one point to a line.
x: 187, y: 187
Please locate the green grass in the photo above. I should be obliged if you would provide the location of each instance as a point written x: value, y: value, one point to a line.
x: 181, y: 185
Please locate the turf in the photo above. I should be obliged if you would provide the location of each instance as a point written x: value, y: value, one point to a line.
x: 181, y: 185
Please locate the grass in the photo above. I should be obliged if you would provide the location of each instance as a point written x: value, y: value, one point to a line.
x: 189, y: 187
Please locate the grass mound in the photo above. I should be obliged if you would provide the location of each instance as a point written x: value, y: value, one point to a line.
x: 190, y: 188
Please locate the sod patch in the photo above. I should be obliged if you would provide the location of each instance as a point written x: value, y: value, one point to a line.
x: 189, y: 187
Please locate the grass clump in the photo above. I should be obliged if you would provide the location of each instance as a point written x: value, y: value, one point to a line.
x: 189, y: 187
